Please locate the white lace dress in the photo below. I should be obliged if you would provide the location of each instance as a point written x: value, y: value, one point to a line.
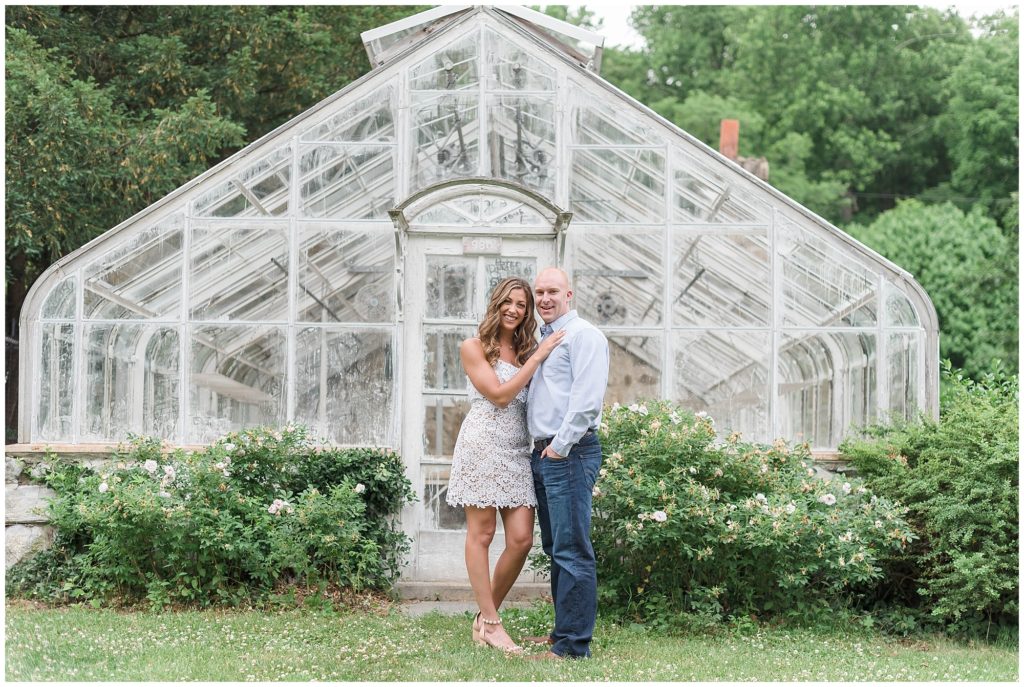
x: 491, y: 463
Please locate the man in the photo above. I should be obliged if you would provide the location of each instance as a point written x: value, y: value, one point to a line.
x: 563, y: 413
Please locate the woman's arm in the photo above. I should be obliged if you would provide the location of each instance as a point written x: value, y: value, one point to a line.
x: 486, y: 380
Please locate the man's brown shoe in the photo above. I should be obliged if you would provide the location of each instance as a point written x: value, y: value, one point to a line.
x: 546, y: 656
x: 539, y: 639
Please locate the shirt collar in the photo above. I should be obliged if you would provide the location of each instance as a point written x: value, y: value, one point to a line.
x: 546, y: 329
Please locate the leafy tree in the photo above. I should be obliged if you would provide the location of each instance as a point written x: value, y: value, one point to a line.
x: 964, y: 263
x: 981, y: 122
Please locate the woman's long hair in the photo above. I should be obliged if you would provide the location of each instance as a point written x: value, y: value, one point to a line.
x: 523, y: 340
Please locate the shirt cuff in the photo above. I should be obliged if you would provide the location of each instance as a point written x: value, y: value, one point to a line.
x: 562, y: 448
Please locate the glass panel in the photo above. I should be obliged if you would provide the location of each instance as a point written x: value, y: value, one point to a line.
x: 904, y: 369
x: 345, y: 383
x: 451, y: 284
x: 347, y: 182
x: 442, y: 419
x: 131, y: 382
x: 454, y: 67
x: 56, y: 382
x: 823, y: 284
x: 447, y: 139
x: 634, y: 368
x: 618, y: 280
x: 481, y: 210
x: 442, y: 367
x: 498, y: 269
x: 261, y: 189
x: 619, y: 186
x: 721, y: 279
x: 597, y: 122
x: 725, y: 374
x: 239, y: 272
x: 369, y: 119
x: 60, y: 302
x: 437, y: 513
x: 700, y: 195
x: 522, y: 140
x: 237, y: 379
x: 899, y: 311
x: 346, y: 276
x: 827, y: 383
x: 140, y: 278
x: 512, y: 68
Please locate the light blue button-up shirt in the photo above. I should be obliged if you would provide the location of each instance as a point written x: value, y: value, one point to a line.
x: 567, y: 392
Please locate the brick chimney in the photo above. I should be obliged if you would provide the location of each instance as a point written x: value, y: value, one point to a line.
x: 729, y: 138
x: 729, y: 146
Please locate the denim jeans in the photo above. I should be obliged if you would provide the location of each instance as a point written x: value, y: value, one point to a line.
x: 564, y: 493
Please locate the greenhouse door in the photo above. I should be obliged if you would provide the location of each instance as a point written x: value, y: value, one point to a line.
x: 448, y: 279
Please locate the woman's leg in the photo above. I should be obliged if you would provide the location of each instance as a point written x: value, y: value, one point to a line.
x: 518, y: 524
x: 480, y: 525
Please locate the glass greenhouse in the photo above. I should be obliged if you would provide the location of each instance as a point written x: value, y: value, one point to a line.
x: 325, y: 274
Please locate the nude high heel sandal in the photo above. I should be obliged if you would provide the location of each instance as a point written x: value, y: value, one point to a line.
x: 484, y: 640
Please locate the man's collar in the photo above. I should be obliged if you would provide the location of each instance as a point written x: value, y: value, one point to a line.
x: 560, y: 322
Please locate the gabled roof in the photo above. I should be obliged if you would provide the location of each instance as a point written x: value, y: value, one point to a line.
x: 386, y: 42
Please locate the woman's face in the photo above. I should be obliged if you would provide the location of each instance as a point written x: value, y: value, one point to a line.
x: 513, y: 310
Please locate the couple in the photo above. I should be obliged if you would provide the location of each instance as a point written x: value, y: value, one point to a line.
x: 521, y: 449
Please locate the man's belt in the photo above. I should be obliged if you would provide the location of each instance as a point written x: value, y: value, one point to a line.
x: 541, y: 444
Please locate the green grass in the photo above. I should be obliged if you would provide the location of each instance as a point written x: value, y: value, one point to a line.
x: 89, y: 644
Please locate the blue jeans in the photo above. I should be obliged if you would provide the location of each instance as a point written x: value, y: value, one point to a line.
x: 564, y: 493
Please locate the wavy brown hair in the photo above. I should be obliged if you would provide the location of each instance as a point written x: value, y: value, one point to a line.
x: 523, y: 340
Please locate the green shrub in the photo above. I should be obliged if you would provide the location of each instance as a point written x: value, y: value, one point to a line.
x: 959, y: 479
x: 687, y: 530
x: 257, y: 509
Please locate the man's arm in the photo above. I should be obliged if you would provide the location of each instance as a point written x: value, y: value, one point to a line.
x: 588, y: 356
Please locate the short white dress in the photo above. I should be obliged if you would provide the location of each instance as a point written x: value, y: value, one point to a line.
x: 491, y: 463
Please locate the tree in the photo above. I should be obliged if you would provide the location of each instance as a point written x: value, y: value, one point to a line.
x: 965, y: 264
x: 981, y: 122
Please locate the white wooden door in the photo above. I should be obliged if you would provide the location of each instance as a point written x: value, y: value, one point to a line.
x: 448, y: 279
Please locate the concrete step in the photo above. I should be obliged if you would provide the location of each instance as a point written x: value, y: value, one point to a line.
x: 446, y: 590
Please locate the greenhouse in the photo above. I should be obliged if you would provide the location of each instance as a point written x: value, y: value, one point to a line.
x: 325, y: 274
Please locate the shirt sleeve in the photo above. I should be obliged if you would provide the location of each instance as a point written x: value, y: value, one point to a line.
x: 588, y: 356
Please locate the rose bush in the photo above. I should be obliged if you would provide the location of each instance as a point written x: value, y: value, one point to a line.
x: 689, y: 529
x: 231, y: 523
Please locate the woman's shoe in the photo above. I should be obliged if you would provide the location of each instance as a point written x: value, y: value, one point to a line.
x: 484, y: 638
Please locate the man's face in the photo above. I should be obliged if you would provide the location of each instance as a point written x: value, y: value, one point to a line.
x: 553, y: 295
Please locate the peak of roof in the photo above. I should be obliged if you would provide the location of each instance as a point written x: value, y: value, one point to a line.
x: 385, y: 42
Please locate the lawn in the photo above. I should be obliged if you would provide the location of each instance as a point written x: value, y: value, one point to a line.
x: 89, y: 644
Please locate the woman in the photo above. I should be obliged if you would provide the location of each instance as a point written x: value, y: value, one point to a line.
x: 491, y: 463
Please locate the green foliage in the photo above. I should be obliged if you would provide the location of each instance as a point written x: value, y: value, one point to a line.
x: 969, y: 269
x: 982, y: 118
x: 854, y: 106
x: 688, y: 532
x: 959, y: 479
x: 227, y: 524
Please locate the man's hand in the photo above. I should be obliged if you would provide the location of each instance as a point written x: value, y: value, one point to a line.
x: 549, y: 452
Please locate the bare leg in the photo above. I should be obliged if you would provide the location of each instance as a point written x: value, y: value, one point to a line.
x: 481, y: 523
x: 518, y: 523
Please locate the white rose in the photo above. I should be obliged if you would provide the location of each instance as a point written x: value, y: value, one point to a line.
x: 360, y: 488
x: 827, y: 499
x: 659, y: 516
x: 104, y: 487
x: 150, y: 466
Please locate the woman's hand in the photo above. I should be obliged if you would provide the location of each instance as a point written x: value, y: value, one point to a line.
x: 548, y: 345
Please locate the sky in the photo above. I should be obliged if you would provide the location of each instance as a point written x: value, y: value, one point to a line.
x: 618, y: 32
